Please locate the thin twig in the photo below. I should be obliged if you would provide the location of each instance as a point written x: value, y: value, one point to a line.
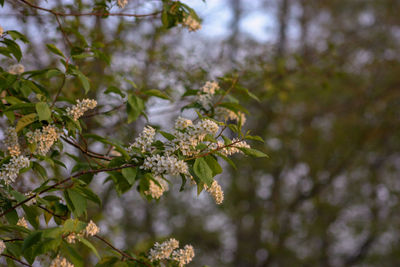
x: 15, y: 259
x: 52, y: 213
x: 120, y: 251
x: 64, y: 181
x: 98, y: 14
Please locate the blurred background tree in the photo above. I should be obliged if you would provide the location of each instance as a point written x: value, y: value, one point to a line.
x: 327, y: 75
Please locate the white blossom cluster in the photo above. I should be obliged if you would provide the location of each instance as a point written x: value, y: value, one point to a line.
x: 206, y: 93
x: 90, y: 230
x: 191, y: 23
x: 216, y: 192
x: 187, y: 140
x: 11, y: 142
x: 22, y: 222
x: 122, y: 3
x: 146, y: 137
x: 166, y: 251
x: 9, y: 172
x: 80, y: 108
x: 163, y: 251
x: 169, y: 164
x: 231, y: 149
x: 44, y: 138
x: 16, y: 69
x: 60, y: 262
x: 183, y: 256
x: 182, y: 123
x: 155, y: 190
x: 226, y: 114
x: 1, y: 31
x: 2, y: 246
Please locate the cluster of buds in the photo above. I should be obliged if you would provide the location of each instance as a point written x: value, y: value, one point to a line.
x: 206, y: 93
x: 60, y: 262
x: 228, y: 150
x: 80, y: 108
x: 167, y: 251
x: 11, y: 142
x: 191, y: 23
x: 22, y: 222
x: 44, y: 138
x: 122, y: 3
x: 16, y: 69
x: 91, y: 230
x: 157, y: 190
x: 216, y: 192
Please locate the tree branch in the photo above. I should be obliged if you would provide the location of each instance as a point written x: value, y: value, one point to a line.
x: 98, y: 14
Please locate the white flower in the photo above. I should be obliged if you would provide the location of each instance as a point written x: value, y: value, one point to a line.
x: 9, y: 172
x: 186, y: 141
x: 80, y: 108
x: 205, y: 94
x: 122, y: 3
x: 210, y: 88
x: 163, y: 250
x: 44, y: 138
x: 165, y: 164
x: 192, y: 24
x: 182, y: 123
x: 155, y: 190
x: 60, y: 262
x: 183, y: 256
x: 146, y: 137
x: 11, y: 142
x: 92, y: 229
x: 71, y: 238
x: 216, y: 192
x: 2, y: 244
x: 22, y: 222
x: 16, y: 69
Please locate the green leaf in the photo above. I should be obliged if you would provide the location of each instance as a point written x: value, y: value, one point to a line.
x: 253, y: 152
x: 31, y: 240
x: 213, y: 164
x: 89, y: 194
x: 89, y: 245
x: 156, y: 93
x: 55, y: 50
x: 85, y: 82
x: 234, y: 107
x: 115, y: 90
x: 135, y: 107
x: 14, y: 48
x: 167, y: 135
x: 77, y: 200
x: 255, y: 138
x: 43, y: 111
x: 24, y: 121
x: 18, y: 36
x: 203, y: 171
x: 129, y: 174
